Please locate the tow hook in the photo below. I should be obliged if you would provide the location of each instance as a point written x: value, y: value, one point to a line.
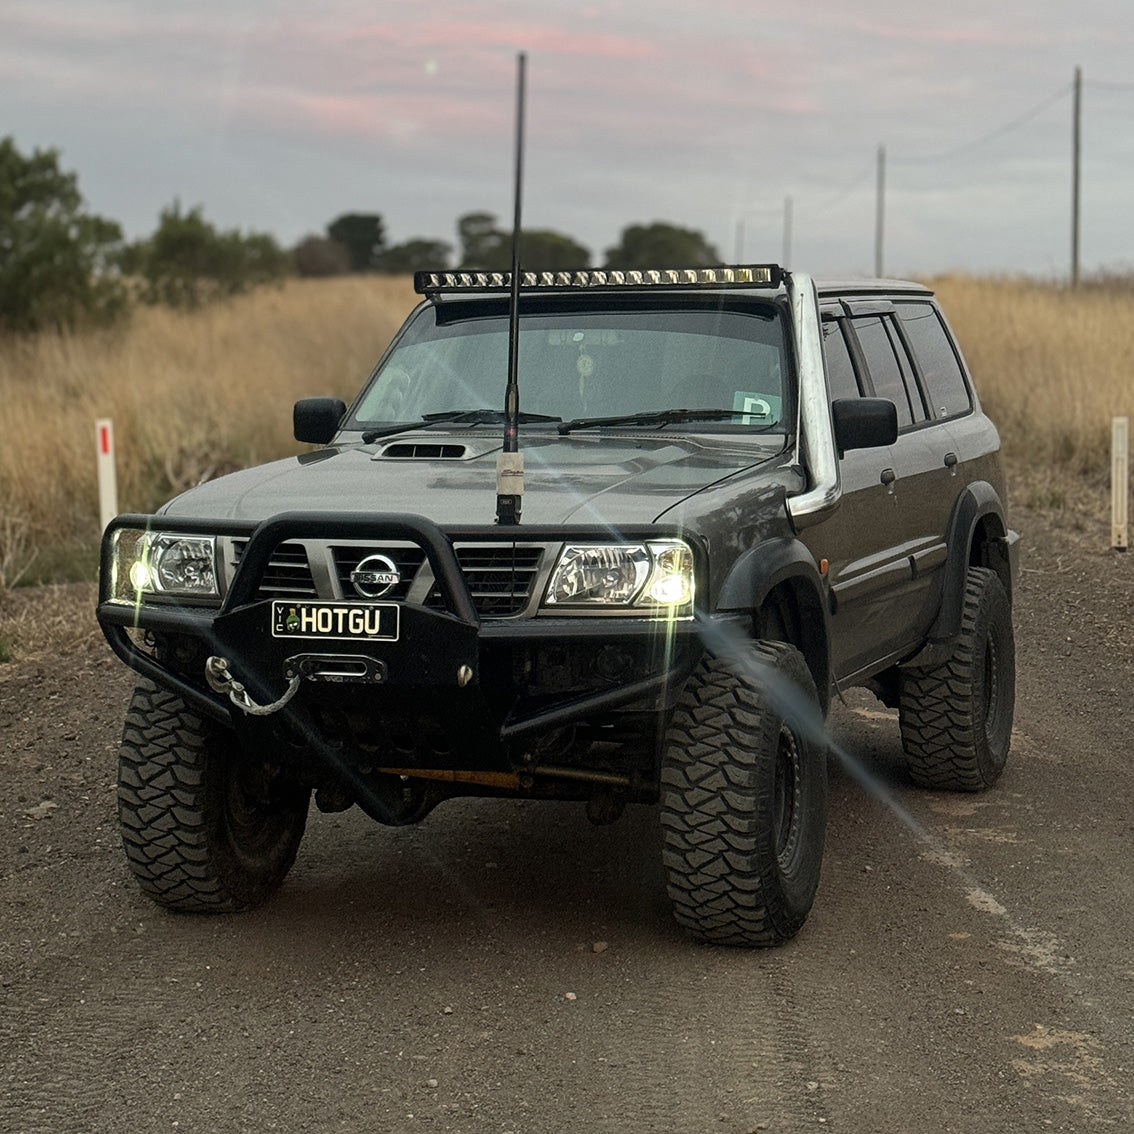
x: 221, y: 680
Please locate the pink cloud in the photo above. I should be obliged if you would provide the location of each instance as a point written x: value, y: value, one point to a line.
x: 934, y: 32
x: 393, y: 116
x: 83, y: 25
x: 434, y: 35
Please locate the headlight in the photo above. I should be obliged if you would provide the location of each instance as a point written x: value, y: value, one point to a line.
x: 163, y: 563
x: 657, y: 574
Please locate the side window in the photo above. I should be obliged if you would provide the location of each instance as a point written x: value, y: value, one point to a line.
x: 840, y: 368
x: 886, y: 376
x: 936, y: 359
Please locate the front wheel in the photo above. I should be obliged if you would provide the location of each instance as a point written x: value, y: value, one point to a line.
x: 956, y: 717
x: 205, y: 828
x: 744, y: 798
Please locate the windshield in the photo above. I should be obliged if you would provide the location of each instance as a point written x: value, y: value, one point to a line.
x: 597, y: 363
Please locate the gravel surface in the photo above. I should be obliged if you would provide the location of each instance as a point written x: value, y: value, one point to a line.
x: 507, y: 967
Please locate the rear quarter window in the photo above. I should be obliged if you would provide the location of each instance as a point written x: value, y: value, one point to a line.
x: 936, y: 359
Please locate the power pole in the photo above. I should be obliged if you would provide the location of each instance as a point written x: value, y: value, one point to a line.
x: 1076, y: 160
x: 879, y: 211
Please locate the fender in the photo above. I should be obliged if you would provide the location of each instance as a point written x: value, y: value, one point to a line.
x: 978, y: 505
x: 758, y: 571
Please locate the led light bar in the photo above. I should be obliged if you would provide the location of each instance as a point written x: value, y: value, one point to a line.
x: 747, y: 275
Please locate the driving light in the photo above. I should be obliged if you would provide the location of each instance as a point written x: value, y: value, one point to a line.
x: 657, y: 576
x: 140, y: 575
x: 742, y: 275
x: 671, y: 582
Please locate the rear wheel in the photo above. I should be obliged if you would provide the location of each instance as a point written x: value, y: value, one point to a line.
x: 956, y: 717
x: 744, y: 798
x: 205, y: 828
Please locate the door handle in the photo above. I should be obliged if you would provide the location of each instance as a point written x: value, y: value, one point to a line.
x: 951, y: 463
x: 888, y: 476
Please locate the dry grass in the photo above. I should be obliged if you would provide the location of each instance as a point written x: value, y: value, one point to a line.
x: 1053, y: 368
x: 196, y: 394
x: 47, y: 621
x: 192, y: 395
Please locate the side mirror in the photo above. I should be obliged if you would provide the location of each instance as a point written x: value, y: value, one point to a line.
x: 864, y: 423
x: 316, y: 420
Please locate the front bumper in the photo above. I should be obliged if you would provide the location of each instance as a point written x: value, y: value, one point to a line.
x: 482, y: 690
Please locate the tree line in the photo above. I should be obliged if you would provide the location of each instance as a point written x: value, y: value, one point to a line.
x: 62, y: 267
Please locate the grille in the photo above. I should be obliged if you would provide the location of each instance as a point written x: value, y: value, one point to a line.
x: 288, y: 574
x: 500, y: 577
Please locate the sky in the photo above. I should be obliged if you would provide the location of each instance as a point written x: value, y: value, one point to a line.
x: 757, y: 124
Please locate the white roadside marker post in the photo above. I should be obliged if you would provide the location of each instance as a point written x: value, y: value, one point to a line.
x: 1119, y: 482
x: 107, y: 478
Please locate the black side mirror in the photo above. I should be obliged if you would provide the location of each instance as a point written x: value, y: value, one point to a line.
x: 316, y: 420
x: 864, y: 423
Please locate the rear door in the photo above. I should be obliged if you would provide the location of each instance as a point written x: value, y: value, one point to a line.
x: 974, y: 442
x: 925, y: 462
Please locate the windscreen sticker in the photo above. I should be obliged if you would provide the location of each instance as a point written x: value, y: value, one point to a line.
x: 757, y: 409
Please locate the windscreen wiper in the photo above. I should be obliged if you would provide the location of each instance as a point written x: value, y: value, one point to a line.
x: 483, y: 416
x: 657, y: 417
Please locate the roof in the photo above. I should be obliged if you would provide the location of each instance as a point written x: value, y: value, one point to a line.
x: 871, y: 287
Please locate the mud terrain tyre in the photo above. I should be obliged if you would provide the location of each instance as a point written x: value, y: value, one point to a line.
x: 956, y: 717
x: 744, y: 798
x: 205, y: 829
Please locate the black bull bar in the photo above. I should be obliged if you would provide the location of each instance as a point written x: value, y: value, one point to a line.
x: 435, y: 649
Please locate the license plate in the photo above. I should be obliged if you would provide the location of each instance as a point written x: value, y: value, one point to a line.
x: 337, y: 621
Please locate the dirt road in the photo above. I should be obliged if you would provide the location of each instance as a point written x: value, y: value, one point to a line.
x: 508, y: 967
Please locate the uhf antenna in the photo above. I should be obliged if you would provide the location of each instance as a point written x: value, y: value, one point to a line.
x: 510, y: 462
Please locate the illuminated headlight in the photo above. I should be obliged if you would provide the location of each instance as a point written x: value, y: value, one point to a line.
x: 163, y: 563
x: 652, y: 575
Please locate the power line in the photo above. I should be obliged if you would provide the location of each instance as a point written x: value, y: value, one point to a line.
x: 816, y: 204
x: 850, y: 187
x: 1103, y: 85
x: 1000, y: 131
x: 847, y: 190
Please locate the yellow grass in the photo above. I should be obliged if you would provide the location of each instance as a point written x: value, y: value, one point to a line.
x: 1053, y: 368
x: 197, y: 394
x: 192, y: 395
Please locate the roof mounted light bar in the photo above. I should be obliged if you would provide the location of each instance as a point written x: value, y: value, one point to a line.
x: 746, y: 275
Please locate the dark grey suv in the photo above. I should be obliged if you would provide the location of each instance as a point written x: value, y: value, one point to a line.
x: 737, y: 493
